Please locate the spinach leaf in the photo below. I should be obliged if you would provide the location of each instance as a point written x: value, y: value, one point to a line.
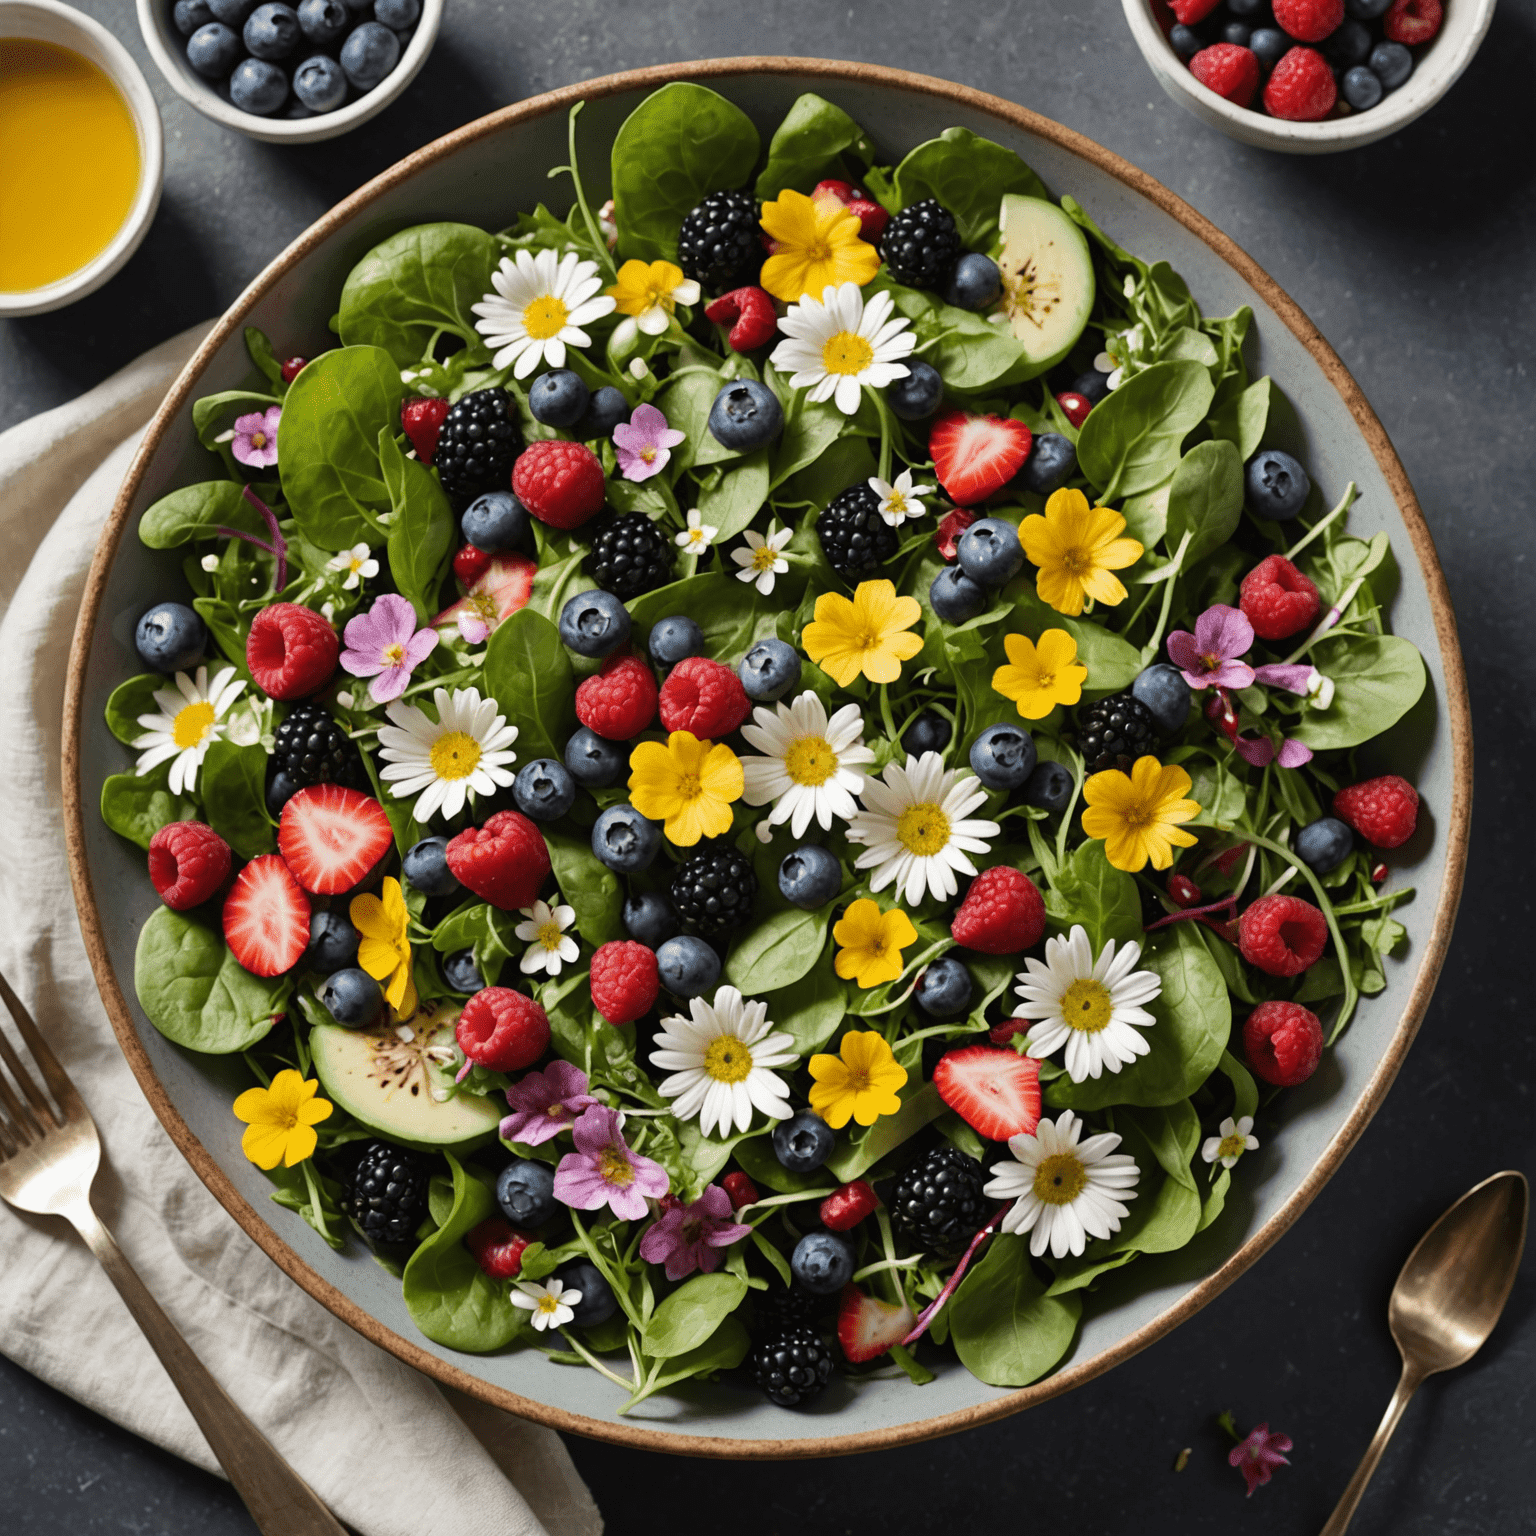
x: 528, y: 671
x: 968, y: 349
x: 227, y: 628
x: 195, y: 511
x: 1218, y: 792
x: 1005, y: 1329
x: 131, y: 699
x: 704, y: 1156
x: 731, y: 614
x: 1205, y: 499
x: 969, y: 175
x: 811, y: 1008
x: 461, y: 929
x: 691, y: 1314
x: 421, y: 534
x: 686, y: 403
x: 809, y: 430
x: 1131, y: 441
x: 731, y: 505
x: 1377, y: 679
x: 724, y: 1350
x: 1088, y: 889
x: 809, y: 145
x: 588, y: 885
x: 767, y: 1172
x: 136, y: 808
x: 1245, y: 1092
x: 846, y: 461
x: 214, y: 415
x: 265, y: 359
x: 234, y: 783
x: 1241, y: 419
x: 778, y: 950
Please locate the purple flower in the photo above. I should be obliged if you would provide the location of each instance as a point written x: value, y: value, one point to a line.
x: 386, y: 645
x: 254, y: 441
x: 645, y: 443
x: 1209, y: 657
x: 603, y: 1171
x: 1258, y: 1456
x: 1260, y: 750
x: 546, y: 1103
x: 690, y: 1237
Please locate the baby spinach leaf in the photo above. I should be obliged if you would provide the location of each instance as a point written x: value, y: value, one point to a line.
x: 686, y: 403
x: 1005, y: 1329
x: 1131, y: 441
x: 731, y: 505
x: 969, y: 350
x: 461, y: 929
x: 528, y: 671
x: 265, y: 359
x: 1088, y: 889
x: 778, y: 950
x: 130, y: 700
x: 1205, y: 499
x: 1218, y: 792
x: 195, y: 511
x: 1245, y: 1091
x: 1241, y: 419
x: 724, y: 1350
x: 214, y: 415
x: 847, y: 461
x: 809, y: 430
x: 1377, y: 679
x: 811, y: 1008
x: 809, y: 146
x: 969, y: 175
x: 690, y: 1315
x: 136, y: 808
x: 767, y: 1172
x: 421, y: 535
x: 920, y: 1103
x: 588, y: 885
x: 234, y: 783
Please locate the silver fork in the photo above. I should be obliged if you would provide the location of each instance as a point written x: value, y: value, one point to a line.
x: 49, y: 1154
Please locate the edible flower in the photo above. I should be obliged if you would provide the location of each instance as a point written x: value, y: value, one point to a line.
x: 467, y: 749
x: 545, y: 1103
x: 688, y: 785
x: 1077, y: 547
x: 643, y: 445
x: 698, y: 535
x: 191, y: 719
x: 690, y: 1237
x: 815, y: 243
x: 1041, y: 674
x: 538, y: 309
x: 495, y: 595
x: 646, y: 294
x: 253, y: 438
x: 859, y: 1083
x: 899, y: 498
x: 551, y: 1305
x: 549, y: 945
x: 1230, y: 1142
x: 1209, y: 657
x: 385, y: 949
x: 871, y: 942
x: 386, y: 645
x: 357, y: 562
x: 838, y: 346
x: 602, y: 1171
x: 1139, y: 814
x: 809, y: 764
x: 871, y: 634
x: 281, y: 1120
x: 1258, y: 1456
x: 762, y: 561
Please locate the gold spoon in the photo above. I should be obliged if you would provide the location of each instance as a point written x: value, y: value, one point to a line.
x: 1446, y: 1301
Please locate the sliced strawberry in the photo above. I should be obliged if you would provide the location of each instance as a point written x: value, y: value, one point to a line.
x: 266, y: 917
x: 331, y: 837
x: 996, y: 1092
x: 423, y: 421
x: 976, y: 456
x: 470, y: 564
x: 867, y: 1327
x: 496, y: 594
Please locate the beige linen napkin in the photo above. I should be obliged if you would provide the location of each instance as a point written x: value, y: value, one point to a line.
x: 378, y: 1441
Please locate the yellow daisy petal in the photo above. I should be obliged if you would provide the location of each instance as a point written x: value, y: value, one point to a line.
x: 264, y: 1145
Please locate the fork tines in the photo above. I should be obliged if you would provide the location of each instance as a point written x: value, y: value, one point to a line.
x: 30, y: 1117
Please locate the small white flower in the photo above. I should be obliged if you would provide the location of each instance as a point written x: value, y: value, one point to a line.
x: 809, y: 764
x: 190, y: 721
x: 465, y: 750
x: 226, y: 436
x: 763, y: 560
x: 357, y: 562
x: 1130, y: 286
x: 1319, y: 690
x: 902, y: 500
x: 698, y: 535
x: 607, y: 224
x: 209, y: 562
x: 1234, y: 1139
x: 243, y: 728
x: 549, y: 945
x: 538, y: 309
x: 344, y: 698
x: 552, y: 1305
x: 638, y: 367
x: 328, y: 610
x: 840, y: 345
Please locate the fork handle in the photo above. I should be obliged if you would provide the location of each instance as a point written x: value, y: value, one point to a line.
x: 1412, y: 1379
x: 280, y: 1501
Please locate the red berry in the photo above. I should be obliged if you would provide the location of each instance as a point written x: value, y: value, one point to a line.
x: 1183, y: 891
x: 1378, y: 873
x: 843, y: 191
x: 1074, y: 407
x: 751, y: 310
x: 704, y: 697
x: 1191, y: 11
x: 619, y: 700
x: 1002, y: 913
x: 740, y: 1188
x: 1309, y: 21
x: 1230, y: 71
x: 845, y: 1208
x: 951, y: 526
x: 560, y: 483
x: 1277, y: 599
x: 871, y: 216
x: 868, y: 1327
x: 1282, y: 935
x: 498, y: 1247
x: 1283, y: 1043
x: 504, y: 862
x: 624, y: 981
x: 1383, y: 811
x: 470, y: 564
x: 291, y: 651
x: 1004, y: 1030
x: 423, y: 421
x: 188, y: 862
x: 266, y: 917
x: 975, y: 456
x: 502, y: 1030
x: 292, y: 368
x: 1302, y: 88
x: 996, y: 1092
x: 332, y: 837
x: 1413, y: 21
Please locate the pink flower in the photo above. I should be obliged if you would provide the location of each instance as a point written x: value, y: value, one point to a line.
x: 644, y: 444
x: 1260, y: 750
x: 496, y: 594
x: 603, y: 1171
x: 385, y: 644
x: 255, y: 438
x: 690, y: 1237
x: 1209, y: 657
x: 1258, y: 1456
x: 546, y: 1103
x: 1294, y: 677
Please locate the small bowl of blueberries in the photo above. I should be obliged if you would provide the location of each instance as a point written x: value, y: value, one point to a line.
x: 290, y: 73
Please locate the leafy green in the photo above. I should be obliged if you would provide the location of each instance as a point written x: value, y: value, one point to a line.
x: 234, y: 782
x: 691, y: 1314
x: 810, y: 1009
x: 422, y: 530
x: 137, y: 807
x: 969, y: 176
x: 1131, y: 441
x: 528, y: 672
x: 588, y: 885
x: 1377, y: 679
x: 812, y: 143
x: 1005, y: 1329
x: 920, y: 1104
x: 195, y: 511
x: 131, y: 699
x: 778, y: 950
x: 1241, y: 418
x: 1205, y: 499
x: 1088, y: 889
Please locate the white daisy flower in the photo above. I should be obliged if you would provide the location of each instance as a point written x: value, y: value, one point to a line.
x: 809, y: 763
x: 539, y: 307
x: 1094, y: 1009
x: 357, y: 562
x: 836, y: 347
x: 720, y: 1061
x: 553, y: 1305
x: 698, y: 535
x: 465, y: 750
x: 763, y: 560
x: 915, y: 829
x: 549, y: 945
x: 1064, y: 1192
x: 900, y: 500
x: 191, y: 719
x: 1235, y: 1138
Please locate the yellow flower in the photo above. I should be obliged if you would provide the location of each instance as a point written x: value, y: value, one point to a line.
x: 281, y: 1120
x: 687, y: 784
x: 858, y: 1084
x: 872, y: 942
x: 648, y: 292
x: 1138, y: 815
x: 815, y: 245
x: 1039, y: 676
x: 869, y: 635
x: 1076, y: 548
x: 385, y: 950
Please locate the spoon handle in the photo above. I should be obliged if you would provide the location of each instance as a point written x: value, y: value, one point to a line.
x: 1410, y: 1382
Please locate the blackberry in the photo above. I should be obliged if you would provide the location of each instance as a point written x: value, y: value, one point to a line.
x: 785, y: 1304
x: 311, y: 748
x: 479, y: 440
x: 938, y: 1203
x: 790, y: 1365
x: 1114, y: 732
x: 921, y: 245
x: 856, y: 540
x: 720, y: 243
x: 387, y: 1196
x: 630, y: 556
x: 714, y: 889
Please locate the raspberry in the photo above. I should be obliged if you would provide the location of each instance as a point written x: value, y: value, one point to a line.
x: 502, y: 1030
x: 292, y: 368
x: 504, y: 862
x: 704, y: 697
x: 1302, y: 88
x: 498, y: 1247
x: 1412, y: 22
x: 291, y: 651
x: 188, y: 862
x: 1282, y: 935
x: 625, y: 981
x: 740, y: 1188
x: 1191, y: 11
x: 951, y: 526
x: 470, y: 564
x: 1002, y: 913
x: 1074, y: 407
x: 1230, y: 71
x: 752, y: 310
x: 1283, y: 1043
x: 423, y: 421
x: 1309, y: 21
x: 845, y: 1208
x: 619, y: 700
x: 1383, y: 811
x: 1277, y: 599
x: 560, y: 483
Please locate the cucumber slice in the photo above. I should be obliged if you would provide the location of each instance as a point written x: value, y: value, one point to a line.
x: 1048, y: 285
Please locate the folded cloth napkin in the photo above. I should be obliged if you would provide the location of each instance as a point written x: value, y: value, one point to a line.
x: 379, y: 1442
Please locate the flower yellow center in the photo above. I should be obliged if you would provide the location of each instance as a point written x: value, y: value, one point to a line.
x: 614, y: 1167
x: 1086, y: 1005
x: 1060, y: 1180
x: 1232, y: 1146
x: 556, y: 1111
x: 655, y: 297
x: 550, y: 935
x: 392, y: 655
x: 192, y: 724
x: 896, y: 504
x: 923, y: 829
x: 763, y: 558
x: 1077, y: 561
x: 549, y: 1304
x: 727, y: 1060
x: 455, y: 755
x: 545, y: 317
x: 688, y: 786
x: 258, y: 439
x: 484, y: 605
x: 648, y: 454
x: 857, y: 1080
x: 810, y: 760
x: 846, y: 353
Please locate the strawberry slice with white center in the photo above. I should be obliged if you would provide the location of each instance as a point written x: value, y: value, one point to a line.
x: 331, y: 837
x: 266, y: 917
x: 976, y: 456
x: 496, y: 594
x: 995, y: 1091
x: 867, y: 1327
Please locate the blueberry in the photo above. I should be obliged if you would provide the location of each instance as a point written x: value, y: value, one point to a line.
x: 333, y: 944
x: 258, y: 87
x: 1246, y: 8
x: 649, y: 919
x: 271, y: 31
x: 558, y: 398
x: 368, y: 54
x: 594, y: 623
x: 803, y: 1142
x: 319, y: 84
x: 624, y: 840
x: 745, y: 415
x: 1362, y: 88
x: 1349, y: 45
x: 213, y: 51
x: 769, y: 670
x: 597, y: 1304
x: 544, y: 789
x: 975, y: 283
x: 171, y: 637
x: 1093, y: 386
x: 461, y: 973
x: 990, y: 552
x: 1049, y: 786
x: 1391, y: 63
x: 1366, y: 10
x: 1185, y: 42
x: 917, y: 395
x: 928, y: 732
x: 607, y: 410
x: 525, y: 1191
x: 809, y: 877
x: 822, y: 1262
x: 595, y: 762
x: 231, y: 12
x: 688, y: 966
x: 1276, y: 484
x: 674, y: 639
x: 1237, y: 33
x: 426, y: 867
x: 351, y: 997
x: 944, y: 989
x: 189, y: 15
x: 1323, y: 844
x: 955, y: 597
x: 1052, y: 458
x: 1003, y: 756
x: 1269, y: 45
x: 1163, y: 690
x: 497, y: 521
x: 398, y: 14
x: 280, y: 790
x: 323, y: 22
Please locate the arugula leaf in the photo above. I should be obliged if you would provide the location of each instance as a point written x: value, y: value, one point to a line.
x: 969, y: 176
x: 234, y: 788
x: 421, y: 534
x: 528, y: 671
x: 1131, y: 441
x: 1005, y: 1329
x: 136, y: 808
x: 195, y: 511
x: 809, y: 146
x: 1377, y: 679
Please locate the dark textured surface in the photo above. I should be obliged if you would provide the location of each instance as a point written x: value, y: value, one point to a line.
x: 1413, y: 257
